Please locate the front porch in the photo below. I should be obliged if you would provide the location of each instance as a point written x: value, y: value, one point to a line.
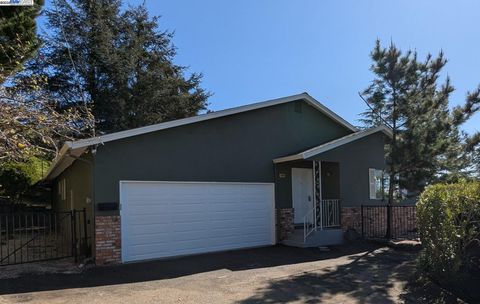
x: 313, y: 187
x: 315, y: 215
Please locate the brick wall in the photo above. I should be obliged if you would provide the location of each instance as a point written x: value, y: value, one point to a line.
x: 284, y: 222
x: 351, y: 219
x: 107, y: 240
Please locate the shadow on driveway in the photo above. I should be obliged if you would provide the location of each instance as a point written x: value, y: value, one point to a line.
x: 178, y: 267
x: 376, y: 277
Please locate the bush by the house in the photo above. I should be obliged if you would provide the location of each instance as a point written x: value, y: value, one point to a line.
x: 449, y: 224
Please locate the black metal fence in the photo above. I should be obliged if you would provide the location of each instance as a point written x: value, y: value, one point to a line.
x: 403, y: 223
x: 42, y: 235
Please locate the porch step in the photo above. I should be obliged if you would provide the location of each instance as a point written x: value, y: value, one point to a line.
x: 326, y: 237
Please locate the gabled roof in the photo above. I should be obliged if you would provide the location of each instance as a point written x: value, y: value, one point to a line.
x: 334, y: 144
x: 70, y: 150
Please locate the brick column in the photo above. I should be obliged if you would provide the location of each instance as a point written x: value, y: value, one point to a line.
x: 285, y: 224
x: 107, y: 240
x: 351, y: 219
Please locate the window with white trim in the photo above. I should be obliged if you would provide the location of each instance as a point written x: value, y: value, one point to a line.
x: 378, y: 184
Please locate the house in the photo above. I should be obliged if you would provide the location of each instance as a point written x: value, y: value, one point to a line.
x: 285, y: 170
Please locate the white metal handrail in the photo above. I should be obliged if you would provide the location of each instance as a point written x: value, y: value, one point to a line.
x: 330, y: 213
x: 309, y: 223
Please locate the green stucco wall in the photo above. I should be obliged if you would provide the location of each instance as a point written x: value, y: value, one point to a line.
x: 354, y: 161
x: 78, y: 178
x: 349, y: 166
x: 236, y: 148
x: 283, y: 182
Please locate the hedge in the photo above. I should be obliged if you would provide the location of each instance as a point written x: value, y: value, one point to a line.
x: 448, y: 218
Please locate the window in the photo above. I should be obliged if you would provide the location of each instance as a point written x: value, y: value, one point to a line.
x: 379, y: 182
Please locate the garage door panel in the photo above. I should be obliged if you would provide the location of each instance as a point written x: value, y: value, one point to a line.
x: 150, y: 239
x: 162, y: 219
x: 253, y: 214
x: 150, y: 249
x: 238, y: 232
x: 136, y: 230
x: 150, y: 218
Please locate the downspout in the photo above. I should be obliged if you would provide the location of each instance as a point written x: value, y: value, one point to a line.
x: 275, y: 215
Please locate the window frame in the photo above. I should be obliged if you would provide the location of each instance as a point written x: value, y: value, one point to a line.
x: 376, y: 193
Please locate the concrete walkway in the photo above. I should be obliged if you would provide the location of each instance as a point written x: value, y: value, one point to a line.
x: 349, y: 274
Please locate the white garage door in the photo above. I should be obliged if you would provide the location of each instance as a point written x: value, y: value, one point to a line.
x: 163, y: 219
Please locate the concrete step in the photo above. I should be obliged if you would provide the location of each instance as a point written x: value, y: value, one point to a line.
x: 317, y: 238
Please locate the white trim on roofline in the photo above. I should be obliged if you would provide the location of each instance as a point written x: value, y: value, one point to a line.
x: 84, y: 143
x: 334, y: 144
x: 184, y: 121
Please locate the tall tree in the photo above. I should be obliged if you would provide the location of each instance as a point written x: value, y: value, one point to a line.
x: 117, y: 62
x: 406, y: 96
x: 473, y: 150
x: 18, y: 37
x: 31, y: 124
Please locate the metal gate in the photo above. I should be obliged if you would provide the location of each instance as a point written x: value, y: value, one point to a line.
x: 42, y: 235
x: 403, y: 223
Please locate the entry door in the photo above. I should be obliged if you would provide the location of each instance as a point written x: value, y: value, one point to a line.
x: 302, y: 193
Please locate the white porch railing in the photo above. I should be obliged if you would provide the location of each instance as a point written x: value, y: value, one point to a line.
x: 330, y: 213
x: 329, y: 217
x: 309, y: 223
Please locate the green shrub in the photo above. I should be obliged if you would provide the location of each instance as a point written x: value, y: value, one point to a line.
x: 448, y: 218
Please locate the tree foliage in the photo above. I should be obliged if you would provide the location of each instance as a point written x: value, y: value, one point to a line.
x: 407, y: 96
x: 18, y: 38
x: 34, y: 127
x: 117, y: 62
x: 17, y: 177
x: 31, y: 123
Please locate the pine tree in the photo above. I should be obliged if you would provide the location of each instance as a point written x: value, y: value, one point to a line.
x: 117, y: 62
x: 18, y: 37
x: 405, y: 95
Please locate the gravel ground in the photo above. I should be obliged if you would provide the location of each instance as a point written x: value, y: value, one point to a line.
x: 348, y: 274
x: 63, y: 266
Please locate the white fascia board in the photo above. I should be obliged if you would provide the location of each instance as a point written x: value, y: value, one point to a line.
x: 316, y: 104
x: 184, y: 121
x: 58, y: 158
x: 343, y: 140
x: 65, y: 158
x: 84, y: 143
x: 334, y: 144
x: 288, y: 158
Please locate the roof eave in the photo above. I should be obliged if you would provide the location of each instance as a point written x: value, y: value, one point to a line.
x: 305, y: 155
x: 84, y: 143
x: 180, y: 122
x: 65, y: 155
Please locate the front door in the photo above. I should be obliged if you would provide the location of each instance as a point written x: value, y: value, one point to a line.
x: 302, y: 193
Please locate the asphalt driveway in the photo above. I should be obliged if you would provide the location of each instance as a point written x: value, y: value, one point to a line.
x: 349, y: 274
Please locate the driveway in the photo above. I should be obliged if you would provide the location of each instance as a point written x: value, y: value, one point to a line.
x: 349, y: 274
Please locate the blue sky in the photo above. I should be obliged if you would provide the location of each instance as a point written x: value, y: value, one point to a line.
x: 254, y: 50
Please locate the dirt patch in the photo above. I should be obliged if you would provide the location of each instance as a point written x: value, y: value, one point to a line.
x: 63, y: 266
x: 423, y: 291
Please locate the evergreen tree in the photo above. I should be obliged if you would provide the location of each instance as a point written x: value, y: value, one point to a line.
x: 118, y: 63
x: 18, y: 37
x: 406, y: 96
